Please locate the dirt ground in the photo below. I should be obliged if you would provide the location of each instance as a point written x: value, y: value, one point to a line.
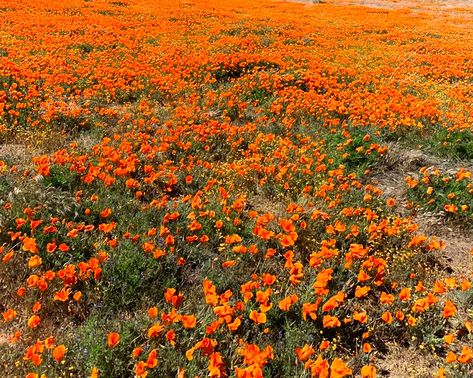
x: 449, y: 8
x: 459, y: 241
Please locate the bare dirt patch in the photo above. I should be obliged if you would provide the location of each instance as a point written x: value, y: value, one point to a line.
x: 447, y: 8
x: 456, y: 256
x: 432, y: 5
x: 406, y: 363
x: 263, y: 204
x: 401, y: 162
x: 17, y: 154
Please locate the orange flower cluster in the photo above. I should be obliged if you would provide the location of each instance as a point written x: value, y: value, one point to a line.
x: 450, y: 192
x: 210, y: 211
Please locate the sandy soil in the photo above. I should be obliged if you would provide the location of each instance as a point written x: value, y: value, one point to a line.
x: 17, y: 154
x: 456, y: 257
x: 451, y: 8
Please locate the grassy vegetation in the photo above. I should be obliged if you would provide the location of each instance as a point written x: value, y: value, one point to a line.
x: 195, y: 197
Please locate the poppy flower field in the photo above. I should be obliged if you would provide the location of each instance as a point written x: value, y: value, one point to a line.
x: 261, y: 188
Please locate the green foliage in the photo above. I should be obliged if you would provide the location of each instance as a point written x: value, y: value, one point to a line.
x: 129, y: 270
x: 449, y: 193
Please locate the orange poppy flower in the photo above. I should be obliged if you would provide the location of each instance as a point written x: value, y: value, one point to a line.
x: 59, y: 352
x: 451, y: 208
x: 188, y: 321
x: 334, y: 301
x: 155, y: 330
x: 49, y: 342
x: 451, y: 357
x: 338, y: 369
x: 309, y: 309
x: 386, y: 298
x: 140, y: 369
x: 286, y: 303
x: 29, y: 244
x: 361, y: 317
x: 361, y: 292
x: 390, y: 202
x: 77, y: 296
x: 113, y: 339
x: 233, y: 326
x: 62, y: 295
x: 153, y: 312
x: 229, y: 263
x: 330, y: 321
x: 36, y: 307
x: 368, y: 371
x: 466, y: 355
x: 105, y: 213
x: 34, y: 321
x: 35, y: 261
x: 171, y: 297
x: 387, y: 317
x: 449, y: 338
x: 324, y: 344
x: 449, y: 309
x: 405, y: 294
x: 136, y: 352
x: 152, y: 360
x: 8, y: 256
x: 9, y: 315
x: 258, y: 317
x: 288, y: 240
x: 305, y: 352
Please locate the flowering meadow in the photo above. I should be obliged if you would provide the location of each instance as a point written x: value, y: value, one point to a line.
x: 235, y: 188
